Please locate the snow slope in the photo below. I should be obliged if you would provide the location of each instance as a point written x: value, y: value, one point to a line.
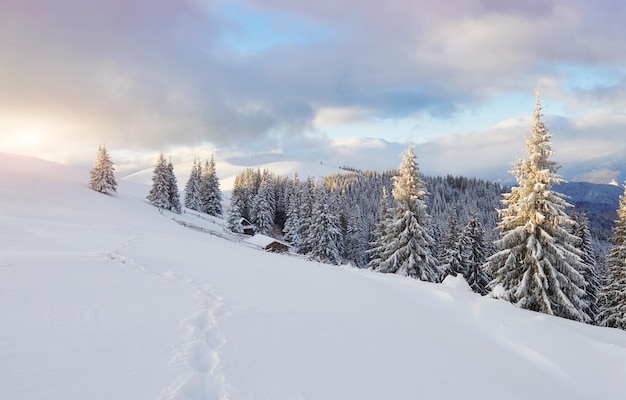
x: 228, y: 169
x: 102, y: 297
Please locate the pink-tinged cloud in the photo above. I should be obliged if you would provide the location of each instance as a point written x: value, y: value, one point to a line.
x: 148, y: 75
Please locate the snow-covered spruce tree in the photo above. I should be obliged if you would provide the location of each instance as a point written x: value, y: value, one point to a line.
x: 102, y: 177
x: 210, y: 194
x: 380, y: 237
x: 239, y: 197
x: 451, y: 258
x: 159, y: 195
x: 306, y: 214
x: 474, y: 253
x: 409, y: 251
x: 324, y: 236
x: 292, y: 223
x: 585, y: 244
x: 613, y: 296
x: 356, y: 243
x: 172, y: 184
x: 234, y: 218
x: 538, y: 266
x: 262, y: 213
x: 192, y: 188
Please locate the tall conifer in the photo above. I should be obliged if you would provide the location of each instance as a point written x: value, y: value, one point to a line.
x: 409, y: 251
x: 102, y: 177
x: 614, y: 291
x: 159, y: 195
x: 538, y: 266
x: 192, y: 188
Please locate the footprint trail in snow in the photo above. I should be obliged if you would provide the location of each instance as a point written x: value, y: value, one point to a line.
x: 196, y: 359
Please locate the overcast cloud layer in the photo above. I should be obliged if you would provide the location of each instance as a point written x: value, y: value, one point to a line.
x: 325, y: 80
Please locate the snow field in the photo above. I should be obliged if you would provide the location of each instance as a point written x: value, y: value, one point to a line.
x: 102, y: 297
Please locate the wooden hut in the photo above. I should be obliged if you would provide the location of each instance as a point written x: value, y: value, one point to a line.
x: 267, y: 243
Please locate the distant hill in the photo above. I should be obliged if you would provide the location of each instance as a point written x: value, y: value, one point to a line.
x: 227, y: 170
x: 599, y: 201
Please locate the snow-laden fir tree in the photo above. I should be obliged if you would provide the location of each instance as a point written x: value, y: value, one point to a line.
x: 262, y: 213
x: 159, y: 195
x: 306, y: 214
x: 292, y: 222
x: 451, y: 258
x: 324, y: 236
x: 613, y: 296
x: 239, y: 196
x: 234, y: 218
x: 102, y: 177
x: 380, y: 237
x: 356, y: 243
x: 192, y: 188
x: 409, y: 250
x: 210, y: 194
x: 474, y: 253
x: 174, y: 196
x: 538, y: 266
x: 585, y: 244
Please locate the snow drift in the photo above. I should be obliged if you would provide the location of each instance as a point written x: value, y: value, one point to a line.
x: 103, y: 297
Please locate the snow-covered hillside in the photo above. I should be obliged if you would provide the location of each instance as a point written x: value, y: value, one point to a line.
x: 103, y: 297
x: 227, y: 169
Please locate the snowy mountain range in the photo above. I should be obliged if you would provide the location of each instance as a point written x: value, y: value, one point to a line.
x: 105, y: 297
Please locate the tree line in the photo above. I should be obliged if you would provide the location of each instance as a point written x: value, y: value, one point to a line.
x: 524, y: 244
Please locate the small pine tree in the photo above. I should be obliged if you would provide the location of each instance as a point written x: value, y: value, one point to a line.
x: 292, y: 223
x: 613, y: 297
x: 380, y: 237
x: 174, y: 196
x: 210, y: 194
x: 585, y: 244
x: 102, y: 177
x: 538, y: 265
x: 306, y: 215
x: 263, y: 215
x: 325, y: 234
x: 234, y: 218
x: 451, y: 259
x: 409, y: 251
x: 159, y: 195
x: 192, y: 188
x: 474, y: 253
x: 356, y: 240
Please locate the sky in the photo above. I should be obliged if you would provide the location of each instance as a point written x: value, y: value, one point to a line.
x: 344, y: 83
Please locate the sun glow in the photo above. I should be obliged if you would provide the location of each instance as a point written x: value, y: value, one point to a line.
x: 28, y: 139
x: 32, y: 136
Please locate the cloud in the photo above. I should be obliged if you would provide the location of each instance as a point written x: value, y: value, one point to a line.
x: 272, y: 76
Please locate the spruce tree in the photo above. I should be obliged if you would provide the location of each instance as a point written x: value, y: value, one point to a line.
x: 306, y: 214
x: 192, y: 188
x: 210, y: 194
x: 292, y: 223
x: 380, y: 237
x: 263, y: 215
x: 474, y: 253
x: 585, y: 244
x: 159, y: 195
x: 234, y: 218
x: 324, y: 236
x: 174, y: 196
x: 356, y: 238
x: 102, y: 177
x: 613, y: 312
x: 451, y: 259
x: 538, y: 266
x: 409, y: 251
